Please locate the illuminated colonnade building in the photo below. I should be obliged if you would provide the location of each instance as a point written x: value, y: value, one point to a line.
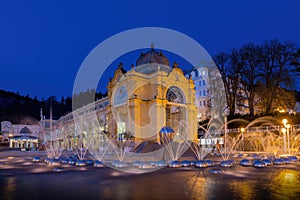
x: 141, y: 101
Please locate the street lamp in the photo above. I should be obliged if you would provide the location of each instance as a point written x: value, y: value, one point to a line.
x: 288, y: 137
x: 243, y: 130
x: 284, y: 121
x: 283, y: 130
x: 287, y: 130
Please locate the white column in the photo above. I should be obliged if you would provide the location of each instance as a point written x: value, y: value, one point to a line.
x: 10, y: 143
x: 288, y: 140
x: 26, y: 144
x: 284, y: 143
x: 31, y: 144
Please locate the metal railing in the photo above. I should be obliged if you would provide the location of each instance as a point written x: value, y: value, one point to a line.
x: 250, y: 130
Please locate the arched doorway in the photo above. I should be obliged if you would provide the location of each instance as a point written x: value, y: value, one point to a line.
x: 176, y: 110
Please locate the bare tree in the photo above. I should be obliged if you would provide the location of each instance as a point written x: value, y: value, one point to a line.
x: 275, y: 71
x: 296, y: 63
x: 264, y: 72
x: 249, y: 72
x: 230, y: 66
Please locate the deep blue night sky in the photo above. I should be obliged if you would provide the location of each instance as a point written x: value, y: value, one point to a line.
x: 43, y: 43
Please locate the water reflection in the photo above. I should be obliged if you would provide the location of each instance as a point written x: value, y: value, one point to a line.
x: 285, y: 185
x: 197, y: 185
x: 243, y: 189
x: 192, y: 183
x: 9, y: 188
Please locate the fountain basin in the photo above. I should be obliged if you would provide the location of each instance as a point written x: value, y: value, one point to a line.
x: 145, y: 165
x: 209, y: 163
x: 73, y: 157
x: 174, y: 164
x: 89, y: 162
x: 98, y: 163
x: 59, y: 169
x: 54, y: 162
x: 227, y: 163
x: 160, y: 163
x: 245, y: 163
x: 36, y: 159
x: 201, y: 164
x: 259, y: 164
x: 81, y: 163
x: 193, y: 163
x: 64, y: 161
x: 185, y: 163
x: 47, y: 160
x: 118, y: 163
x: 267, y: 162
x: 286, y: 160
x: 137, y: 163
x: 72, y: 162
x: 278, y: 161
x: 293, y: 158
x: 152, y: 163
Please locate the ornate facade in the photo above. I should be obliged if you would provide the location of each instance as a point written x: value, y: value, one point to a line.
x: 150, y: 96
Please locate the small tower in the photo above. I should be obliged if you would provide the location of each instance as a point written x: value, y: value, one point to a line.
x: 41, y: 114
x: 152, y: 46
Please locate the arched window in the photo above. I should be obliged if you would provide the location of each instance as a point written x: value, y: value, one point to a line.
x: 200, y: 103
x: 121, y: 95
x: 193, y: 74
x: 204, y: 93
x: 174, y: 94
x: 204, y: 83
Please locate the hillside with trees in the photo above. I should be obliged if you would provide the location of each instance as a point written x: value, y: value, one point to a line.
x: 14, y: 107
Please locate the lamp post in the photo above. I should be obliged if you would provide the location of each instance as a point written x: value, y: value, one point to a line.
x: 243, y: 130
x: 283, y: 130
x: 288, y: 137
x: 287, y: 131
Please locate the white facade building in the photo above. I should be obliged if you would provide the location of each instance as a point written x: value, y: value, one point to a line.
x: 201, y: 81
x: 22, y: 135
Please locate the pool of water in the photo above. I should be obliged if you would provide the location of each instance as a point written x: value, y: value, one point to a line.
x: 181, y: 183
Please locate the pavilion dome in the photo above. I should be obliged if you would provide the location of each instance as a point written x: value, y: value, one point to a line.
x: 25, y: 130
x: 152, y: 56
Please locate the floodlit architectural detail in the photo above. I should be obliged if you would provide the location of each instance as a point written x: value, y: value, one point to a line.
x: 150, y: 96
x: 21, y: 135
x: 140, y: 102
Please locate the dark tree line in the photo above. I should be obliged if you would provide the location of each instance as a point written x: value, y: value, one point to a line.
x: 86, y: 97
x: 14, y: 107
x: 262, y: 74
